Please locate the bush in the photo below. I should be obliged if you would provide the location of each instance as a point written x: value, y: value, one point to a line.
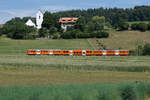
x: 43, y: 32
x: 148, y: 26
x: 103, y: 35
x: 99, y: 35
x: 142, y: 27
x: 66, y: 35
x: 128, y: 92
x: 82, y: 35
x: 122, y: 25
x: 146, y: 49
x: 56, y: 36
x: 134, y: 26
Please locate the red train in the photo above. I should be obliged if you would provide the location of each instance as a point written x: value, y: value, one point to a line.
x: 79, y: 52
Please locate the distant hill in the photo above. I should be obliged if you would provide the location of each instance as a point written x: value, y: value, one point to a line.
x: 113, y: 15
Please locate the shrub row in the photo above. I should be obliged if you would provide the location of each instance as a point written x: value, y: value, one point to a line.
x: 140, y: 26
x: 79, y: 34
x: 111, y: 91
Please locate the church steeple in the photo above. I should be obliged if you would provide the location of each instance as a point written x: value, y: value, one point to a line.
x: 39, y: 19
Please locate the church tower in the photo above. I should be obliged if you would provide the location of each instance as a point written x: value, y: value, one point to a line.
x: 39, y: 19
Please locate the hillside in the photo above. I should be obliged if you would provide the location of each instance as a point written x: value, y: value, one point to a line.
x: 123, y: 39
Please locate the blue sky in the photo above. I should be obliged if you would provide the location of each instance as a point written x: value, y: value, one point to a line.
x: 21, y: 8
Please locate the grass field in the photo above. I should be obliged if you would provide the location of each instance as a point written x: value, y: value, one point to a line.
x: 21, y: 46
x: 44, y: 70
x: 16, y: 68
x: 25, y: 77
x: 123, y: 40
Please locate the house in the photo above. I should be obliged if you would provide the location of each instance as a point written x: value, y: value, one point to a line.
x: 39, y: 21
x: 67, y: 22
x: 1, y: 25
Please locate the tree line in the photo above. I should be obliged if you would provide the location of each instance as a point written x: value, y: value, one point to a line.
x: 92, y: 23
x: 112, y: 15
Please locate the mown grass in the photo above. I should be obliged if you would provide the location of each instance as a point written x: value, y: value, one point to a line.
x: 103, y: 91
x: 110, y: 63
x: 44, y: 70
x: 21, y: 46
x: 136, y: 22
x: 123, y: 40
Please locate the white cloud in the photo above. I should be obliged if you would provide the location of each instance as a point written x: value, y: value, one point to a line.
x: 6, y: 15
x: 57, y: 8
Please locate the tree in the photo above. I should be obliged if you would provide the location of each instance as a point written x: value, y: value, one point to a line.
x: 48, y: 20
x: 80, y: 24
x: 20, y: 31
x: 14, y: 21
x: 148, y: 26
x: 122, y: 25
x: 43, y: 32
x: 98, y: 23
x: 146, y: 49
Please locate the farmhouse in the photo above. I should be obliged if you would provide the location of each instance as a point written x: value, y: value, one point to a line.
x: 1, y: 25
x: 67, y: 22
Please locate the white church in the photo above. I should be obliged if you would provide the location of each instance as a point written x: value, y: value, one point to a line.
x: 39, y: 21
x: 65, y: 21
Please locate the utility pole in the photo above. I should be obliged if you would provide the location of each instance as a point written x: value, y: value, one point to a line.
x: 137, y: 48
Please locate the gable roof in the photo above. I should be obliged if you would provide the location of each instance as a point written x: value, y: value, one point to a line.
x: 30, y: 23
x: 68, y: 19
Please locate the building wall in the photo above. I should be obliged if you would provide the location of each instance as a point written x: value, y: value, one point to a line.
x: 65, y: 25
x: 39, y: 19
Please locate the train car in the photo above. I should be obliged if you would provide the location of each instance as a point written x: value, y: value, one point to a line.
x: 66, y: 52
x: 98, y: 52
x: 110, y: 52
x: 44, y: 52
x: 32, y: 52
x: 123, y: 52
x: 77, y: 52
x: 89, y: 52
x: 57, y: 52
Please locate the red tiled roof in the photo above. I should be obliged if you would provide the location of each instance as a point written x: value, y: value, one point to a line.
x: 68, y: 20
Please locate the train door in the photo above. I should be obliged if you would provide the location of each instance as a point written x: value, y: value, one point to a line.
x: 104, y: 52
x: 117, y: 52
x: 50, y: 52
x: 83, y: 53
x: 71, y: 52
x: 38, y: 52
